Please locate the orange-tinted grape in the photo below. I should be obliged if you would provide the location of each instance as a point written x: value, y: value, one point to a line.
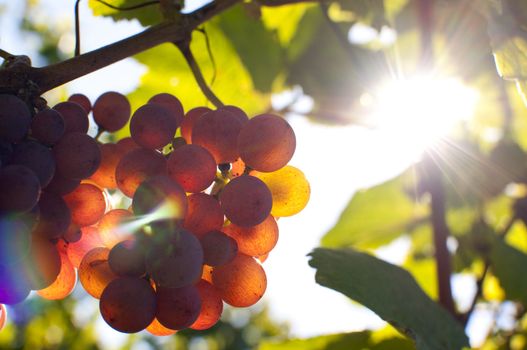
x: 19, y: 188
x: 193, y: 167
x: 242, y: 282
x: 95, y: 273
x: 55, y: 216
x: 63, y: 284
x: 87, y: 204
x: 255, y: 240
x: 75, y: 117
x: 3, y: 316
x: 43, y: 263
x: 189, y: 120
x: 111, y: 154
x: 126, y: 145
x: 218, y: 248
x: 211, y: 306
x: 47, y: 126
x: 238, y: 112
x: 152, y: 126
x: 207, y: 273
x: 161, y: 195
x: 112, y: 227
x: 262, y: 258
x: 237, y: 168
x: 128, y: 304
x: 111, y: 111
x: 90, y: 239
x: 137, y: 166
x: 15, y: 238
x: 62, y: 185
x: 204, y: 214
x: 77, y: 156
x: 176, y: 263
x: 13, y: 285
x: 266, y: 143
x: 73, y: 234
x: 289, y: 188
x: 218, y: 131
x: 81, y: 100
x: 246, y: 201
x: 15, y: 118
x: 36, y: 157
x: 177, y: 308
x: 171, y: 103
x: 157, y: 329
x: 127, y: 258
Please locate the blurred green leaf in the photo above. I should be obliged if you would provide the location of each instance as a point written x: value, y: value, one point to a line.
x: 147, y: 16
x: 375, y: 216
x: 507, y: 263
x: 355, y: 340
x: 400, y: 301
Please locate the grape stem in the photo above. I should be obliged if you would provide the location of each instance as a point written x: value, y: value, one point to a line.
x: 184, y: 47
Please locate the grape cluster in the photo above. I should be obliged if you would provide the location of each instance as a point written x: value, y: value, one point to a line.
x: 206, y: 189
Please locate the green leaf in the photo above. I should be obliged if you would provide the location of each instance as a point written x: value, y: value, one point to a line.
x: 354, y: 340
x: 507, y: 263
x: 259, y: 49
x: 376, y: 216
x: 284, y: 20
x: 392, y: 293
x: 147, y: 16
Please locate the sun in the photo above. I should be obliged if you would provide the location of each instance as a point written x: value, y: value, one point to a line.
x: 421, y: 110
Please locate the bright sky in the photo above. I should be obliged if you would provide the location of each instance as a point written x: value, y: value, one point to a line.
x: 336, y: 160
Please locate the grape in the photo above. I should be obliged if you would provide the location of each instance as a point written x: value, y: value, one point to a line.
x: 111, y: 111
x: 246, y: 201
x: 75, y: 117
x: 237, y: 168
x: 81, y: 100
x: 238, y: 112
x: 48, y: 126
x: 73, y: 234
x: 62, y: 185
x: 19, y: 188
x: 207, y: 273
x: 55, y: 216
x: 176, y: 263
x: 15, y: 239
x: 171, y: 103
x: 289, y: 188
x: 15, y: 118
x: 193, y: 167
x: 241, y: 282
x: 90, y: 239
x: 218, y: 131
x: 111, y: 154
x: 95, y: 273
x: 266, y: 143
x: 3, y: 316
x: 137, y: 166
x: 5, y: 152
x: 36, y: 157
x: 211, y: 306
x: 13, y: 285
x: 128, y: 304
x: 160, y: 196
x: 157, y: 329
x: 65, y: 282
x: 43, y: 263
x: 256, y: 240
x: 77, y: 156
x: 112, y: 227
x: 204, y: 214
x: 188, y: 122
x: 218, y: 248
x: 263, y: 258
x: 127, y: 258
x: 152, y: 126
x: 126, y: 145
x: 177, y: 308
x: 87, y: 204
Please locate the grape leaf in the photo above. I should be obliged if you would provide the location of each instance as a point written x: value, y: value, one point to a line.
x: 376, y: 216
x: 147, y: 16
x: 400, y: 301
x: 354, y: 340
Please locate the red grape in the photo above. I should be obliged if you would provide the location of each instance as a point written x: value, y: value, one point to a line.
x: 111, y: 111
x: 75, y: 117
x: 256, y: 240
x: 193, y: 167
x: 137, y: 166
x: 171, y: 103
x: 177, y: 308
x: 127, y: 258
x: 77, y: 156
x: 15, y: 118
x: 87, y: 204
x: 48, y: 126
x: 188, y: 121
x: 55, y: 216
x: 152, y: 126
x: 218, y: 248
x: 19, y: 188
x: 211, y: 306
x: 204, y: 214
x: 36, y: 157
x: 81, y: 100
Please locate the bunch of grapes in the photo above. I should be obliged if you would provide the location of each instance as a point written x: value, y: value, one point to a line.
x: 205, y: 188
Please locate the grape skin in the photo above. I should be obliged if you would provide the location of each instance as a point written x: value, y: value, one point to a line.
x: 15, y: 118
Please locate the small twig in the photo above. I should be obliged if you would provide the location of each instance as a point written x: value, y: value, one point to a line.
x: 129, y: 8
x: 77, y: 51
x: 184, y: 47
x: 6, y: 55
x: 211, y: 56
